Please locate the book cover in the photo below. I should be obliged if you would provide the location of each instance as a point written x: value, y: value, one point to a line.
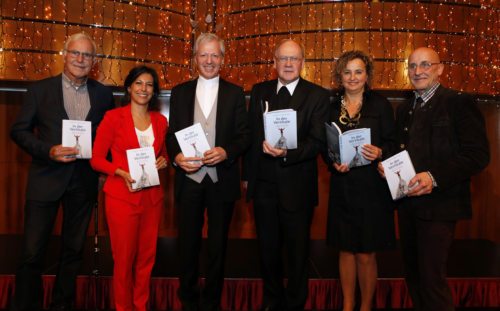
x: 346, y: 147
x: 280, y: 128
x: 350, y: 146
x: 398, y: 171
x: 142, y: 167
x: 193, y: 141
x: 333, y: 133
x: 78, y: 134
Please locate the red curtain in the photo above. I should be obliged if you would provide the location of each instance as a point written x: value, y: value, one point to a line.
x: 246, y: 294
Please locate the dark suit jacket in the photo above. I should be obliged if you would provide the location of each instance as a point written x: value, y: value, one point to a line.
x: 232, y: 132
x: 453, y: 147
x: 297, y: 173
x: 38, y: 127
x: 116, y: 133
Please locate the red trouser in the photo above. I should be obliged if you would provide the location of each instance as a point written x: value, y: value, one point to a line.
x: 133, y: 230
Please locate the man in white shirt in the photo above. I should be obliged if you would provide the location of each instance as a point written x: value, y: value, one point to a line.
x: 210, y: 182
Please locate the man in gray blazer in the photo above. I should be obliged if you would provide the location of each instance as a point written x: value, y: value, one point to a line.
x: 56, y: 177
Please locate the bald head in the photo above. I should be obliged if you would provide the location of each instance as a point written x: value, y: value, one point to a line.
x: 427, y: 52
x: 288, y: 60
x: 424, y: 68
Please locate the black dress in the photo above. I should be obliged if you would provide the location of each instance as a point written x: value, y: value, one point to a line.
x: 361, y: 211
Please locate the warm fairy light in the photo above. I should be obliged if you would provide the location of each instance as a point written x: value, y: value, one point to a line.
x: 126, y: 33
x: 160, y: 34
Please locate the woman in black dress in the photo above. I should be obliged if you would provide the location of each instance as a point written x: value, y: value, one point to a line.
x: 360, y: 217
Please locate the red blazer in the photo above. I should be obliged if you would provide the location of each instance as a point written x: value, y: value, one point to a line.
x: 117, y: 133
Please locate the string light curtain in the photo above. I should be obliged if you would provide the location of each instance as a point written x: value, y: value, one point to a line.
x: 464, y: 32
x: 128, y: 33
x: 160, y: 34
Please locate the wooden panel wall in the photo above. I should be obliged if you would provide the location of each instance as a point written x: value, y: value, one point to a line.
x: 14, y: 165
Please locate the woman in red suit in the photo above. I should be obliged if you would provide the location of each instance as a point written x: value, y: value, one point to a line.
x: 133, y: 215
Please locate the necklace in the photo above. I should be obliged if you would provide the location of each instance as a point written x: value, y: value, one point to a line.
x: 345, y: 119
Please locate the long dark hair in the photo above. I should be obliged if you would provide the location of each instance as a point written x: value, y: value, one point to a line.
x: 132, y: 76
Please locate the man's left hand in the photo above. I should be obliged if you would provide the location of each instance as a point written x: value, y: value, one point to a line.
x: 420, y: 184
x: 270, y: 150
x: 214, y: 156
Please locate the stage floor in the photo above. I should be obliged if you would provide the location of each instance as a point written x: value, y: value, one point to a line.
x: 475, y: 262
x: 468, y: 259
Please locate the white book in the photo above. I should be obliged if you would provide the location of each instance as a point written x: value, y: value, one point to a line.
x: 398, y: 171
x: 280, y: 128
x: 346, y: 147
x: 78, y: 134
x: 142, y: 167
x: 193, y: 141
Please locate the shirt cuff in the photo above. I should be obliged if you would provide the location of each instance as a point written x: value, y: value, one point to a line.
x: 434, y: 183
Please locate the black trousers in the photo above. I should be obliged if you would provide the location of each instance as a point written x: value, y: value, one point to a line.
x: 192, y: 202
x: 39, y: 218
x: 277, y: 227
x: 425, y: 246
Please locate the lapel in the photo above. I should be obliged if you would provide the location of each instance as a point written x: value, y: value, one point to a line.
x: 129, y: 128
x: 60, y: 97
x: 190, y: 101
x: 156, y: 131
x: 299, y: 95
x: 434, y: 101
x: 92, y: 98
x: 270, y: 95
x: 221, y: 103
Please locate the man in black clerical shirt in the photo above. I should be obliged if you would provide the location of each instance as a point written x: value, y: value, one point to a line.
x: 284, y: 183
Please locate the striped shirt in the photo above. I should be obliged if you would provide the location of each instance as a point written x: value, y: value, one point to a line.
x: 426, y: 95
x: 76, y: 99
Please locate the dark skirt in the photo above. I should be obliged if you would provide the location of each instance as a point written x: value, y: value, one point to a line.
x: 360, y: 211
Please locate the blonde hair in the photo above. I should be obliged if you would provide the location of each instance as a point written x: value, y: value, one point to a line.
x: 207, y: 37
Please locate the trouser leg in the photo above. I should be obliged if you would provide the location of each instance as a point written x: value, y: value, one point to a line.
x: 39, y: 220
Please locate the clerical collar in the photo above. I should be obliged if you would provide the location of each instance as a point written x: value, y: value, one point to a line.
x: 427, y: 94
x: 208, y: 82
x: 68, y: 82
x: 290, y: 86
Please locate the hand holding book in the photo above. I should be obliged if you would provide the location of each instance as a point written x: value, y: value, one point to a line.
x: 420, y: 184
x: 63, y: 154
x: 127, y: 179
x: 161, y: 163
x: 272, y: 151
x: 188, y: 164
x: 371, y: 152
x: 214, y: 156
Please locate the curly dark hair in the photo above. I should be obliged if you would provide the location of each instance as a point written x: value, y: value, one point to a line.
x: 346, y: 57
x: 132, y: 76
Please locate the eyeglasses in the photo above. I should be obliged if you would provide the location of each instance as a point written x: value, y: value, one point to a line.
x: 423, y: 65
x: 285, y: 59
x: 76, y: 54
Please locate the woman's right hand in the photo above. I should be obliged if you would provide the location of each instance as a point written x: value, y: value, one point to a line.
x: 126, y: 178
x: 341, y: 168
